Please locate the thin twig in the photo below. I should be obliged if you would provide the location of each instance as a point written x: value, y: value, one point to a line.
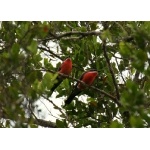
x: 68, y: 25
x: 40, y: 121
x: 120, y: 71
x: 72, y: 38
x: 48, y: 110
x: 37, y: 121
x: 54, y: 105
x: 32, y: 112
x: 143, y: 81
x: 110, y: 69
x: 115, y: 56
x: 51, y: 52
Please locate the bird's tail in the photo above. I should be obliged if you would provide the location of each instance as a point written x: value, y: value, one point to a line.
x: 71, y: 97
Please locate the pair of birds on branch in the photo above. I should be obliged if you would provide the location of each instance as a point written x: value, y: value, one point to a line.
x: 87, y: 77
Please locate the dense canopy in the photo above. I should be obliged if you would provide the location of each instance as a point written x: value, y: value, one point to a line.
x: 32, y: 52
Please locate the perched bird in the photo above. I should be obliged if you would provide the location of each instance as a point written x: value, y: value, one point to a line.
x: 88, y: 78
x: 65, y: 68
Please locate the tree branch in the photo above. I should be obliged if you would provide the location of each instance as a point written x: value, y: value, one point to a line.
x: 36, y: 121
x: 72, y: 38
x: 48, y: 110
x: 53, y: 104
x: 45, y: 123
x: 116, y: 56
x: 66, y: 34
x: 110, y: 69
x: 48, y: 50
x: 92, y: 87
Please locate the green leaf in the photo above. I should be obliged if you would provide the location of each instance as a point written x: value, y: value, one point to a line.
x: 125, y: 49
x: 106, y: 35
x: 132, y: 96
x: 61, y: 123
x: 66, y: 84
x: 15, y: 51
x: 37, y: 58
x: 33, y: 47
x: 140, y: 58
x: 34, y: 75
x: 136, y: 122
x: 116, y: 124
x: 46, y: 62
x: 33, y: 126
x: 47, y: 78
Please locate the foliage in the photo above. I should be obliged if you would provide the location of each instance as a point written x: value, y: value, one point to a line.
x: 120, y: 51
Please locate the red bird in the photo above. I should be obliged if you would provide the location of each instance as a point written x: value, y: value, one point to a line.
x: 88, y: 78
x: 65, y: 68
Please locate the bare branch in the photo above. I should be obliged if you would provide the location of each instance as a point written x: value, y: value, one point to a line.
x: 110, y: 69
x: 71, y: 33
x: 72, y: 38
x: 116, y: 56
x: 45, y: 123
x: 54, y: 105
x: 36, y: 121
x: 48, y: 50
x: 48, y: 110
